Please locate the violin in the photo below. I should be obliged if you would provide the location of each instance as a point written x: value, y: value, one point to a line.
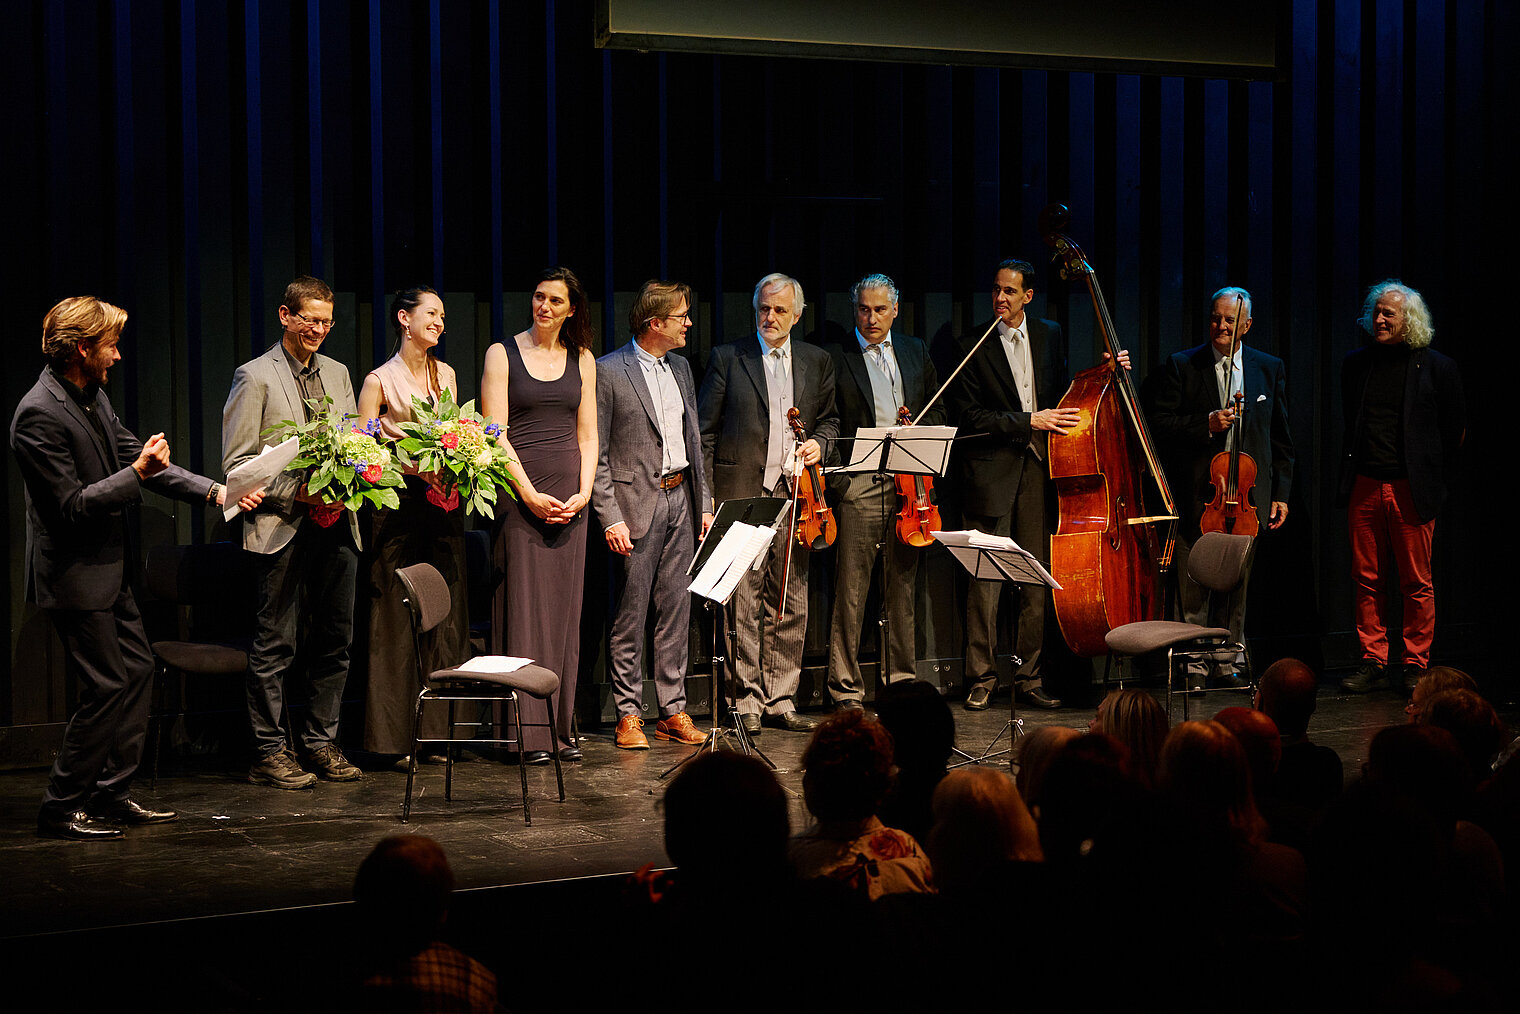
x: 816, y: 527
x: 919, y: 515
x: 1233, y: 472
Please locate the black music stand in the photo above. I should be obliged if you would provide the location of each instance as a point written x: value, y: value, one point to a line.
x: 761, y: 512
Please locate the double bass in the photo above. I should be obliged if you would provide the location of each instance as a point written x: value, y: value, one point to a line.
x: 1108, y: 552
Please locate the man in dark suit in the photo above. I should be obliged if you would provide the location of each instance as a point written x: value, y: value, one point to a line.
x: 82, y: 471
x: 1191, y: 405
x: 650, y: 494
x: 1005, y: 402
x: 876, y: 371
x: 307, y: 558
x: 1405, y: 417
x: 748, y: 451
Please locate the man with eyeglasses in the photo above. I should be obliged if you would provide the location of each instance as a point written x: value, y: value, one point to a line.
x: 650, y: 495
x: 306, y: 560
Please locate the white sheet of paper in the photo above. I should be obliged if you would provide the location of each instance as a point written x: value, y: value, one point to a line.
x: 916, y: 450
x: 721, y: 574
x: 494, y: 663
x: 256, y: 473
x: 994, y: 557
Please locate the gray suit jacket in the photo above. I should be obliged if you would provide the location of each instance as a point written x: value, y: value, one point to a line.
x: 735, y: 420
x: 628, y: 463
x: 264, y: 394
x: 77, y: 494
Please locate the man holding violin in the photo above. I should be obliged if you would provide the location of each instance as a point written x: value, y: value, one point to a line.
x: 877, y: 373
x: 1193, y: 402
x: 750, y: 387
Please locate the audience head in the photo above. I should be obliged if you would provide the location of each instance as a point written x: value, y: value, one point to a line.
x: 1035, y: 752
x: 980, y: 822
x: 1135, y: 719
x: 922, y: 728
x: 1424, y: 763
x: 1436, y: 680
x: 725, y: 811
x: 1205, y: 774
x: 1089, y: 799
x: 402, y: 891
x: 847, y: 767
x: 1286, y: 694
x: 1258, y: 735
x: 1474, y: 724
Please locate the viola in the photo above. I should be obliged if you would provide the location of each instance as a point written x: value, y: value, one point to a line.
x: 816, y: 527
x: 919, y: 515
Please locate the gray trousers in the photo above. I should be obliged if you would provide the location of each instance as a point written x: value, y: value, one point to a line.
x: 1025, y: 522
x: 867, y: 515
x: 654, y: 575
x: 768, y: 662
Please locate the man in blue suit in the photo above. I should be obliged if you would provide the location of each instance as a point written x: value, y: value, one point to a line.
x: 651, y: 496
x: 1191, y: 405
x: 82, y: 471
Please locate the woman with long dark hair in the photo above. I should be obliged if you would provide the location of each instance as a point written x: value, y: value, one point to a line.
x: 540, y: 385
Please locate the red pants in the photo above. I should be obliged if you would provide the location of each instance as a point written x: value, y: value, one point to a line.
x: 1385, y: 529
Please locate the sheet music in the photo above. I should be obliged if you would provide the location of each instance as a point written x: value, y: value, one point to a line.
x: 918, y: 449
x: 256, y: 473
x: 721, y: 574
x: 995, y: 558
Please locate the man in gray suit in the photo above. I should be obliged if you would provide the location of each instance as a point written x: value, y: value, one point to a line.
x: 648, y: 491
x: 877, y: 371
x: 83, y: 470
x: 306, y: 562
x: 747, y: 451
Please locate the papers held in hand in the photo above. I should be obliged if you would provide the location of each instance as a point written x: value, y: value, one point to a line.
x: 256, y: 473
x: 734, y: 554
x: 995, y: 558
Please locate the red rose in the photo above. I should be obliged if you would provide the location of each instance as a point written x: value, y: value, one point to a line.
x: 449, y: 440
x: 371, y: 474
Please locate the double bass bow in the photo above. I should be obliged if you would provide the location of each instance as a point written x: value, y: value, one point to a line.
x: 1233, y: 472
x: 1106, y: 551
x: 919, y: 515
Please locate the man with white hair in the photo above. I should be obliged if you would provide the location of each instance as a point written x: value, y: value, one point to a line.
x: 1405, y: 418
x: 747, y: 450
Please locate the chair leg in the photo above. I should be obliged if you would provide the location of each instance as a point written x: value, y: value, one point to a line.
x: 522, y: 764
x: 411, y: 769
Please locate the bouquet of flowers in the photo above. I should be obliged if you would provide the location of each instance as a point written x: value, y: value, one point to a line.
x: 348, y: 464
x: 463, y: 448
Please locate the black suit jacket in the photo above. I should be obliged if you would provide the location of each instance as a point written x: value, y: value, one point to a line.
x: 735, y: 419
x: 857, y: 403
x: 1178, y: 398
x: 994, y: 423
x: 77, y: 495
x: 1435, y: 421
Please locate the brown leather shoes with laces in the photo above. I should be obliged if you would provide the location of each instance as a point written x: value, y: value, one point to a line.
x: 680, y: 729
x: 629, y: 734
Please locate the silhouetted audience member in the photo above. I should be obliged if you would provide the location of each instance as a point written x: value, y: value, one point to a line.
x: 846, y: 771
x: 1134, y: 718
x: 1436, y: 679
x: 402, y: 895
x: 1259, y: 738
x: 980, y: 824
x: 1032, y: 760
x: 923, y: 733
x: 1473, y: 722
x: 1309, y: 776
x: 1092, y: 805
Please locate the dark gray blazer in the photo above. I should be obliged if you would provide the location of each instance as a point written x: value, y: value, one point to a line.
x: 629, y: 447
x: 77, y: 494
x: 735, y: 421
x: 856, y: 400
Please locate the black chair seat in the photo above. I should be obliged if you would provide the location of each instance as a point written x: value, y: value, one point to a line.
x: 202, y: 657
x: 533, y: 680
x: 1152, y: 635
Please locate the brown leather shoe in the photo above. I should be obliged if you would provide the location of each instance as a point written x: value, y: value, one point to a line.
x: 679, y: 728
x: 629, y: 734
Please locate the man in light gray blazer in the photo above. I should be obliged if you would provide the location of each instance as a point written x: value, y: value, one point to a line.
x: 305, y: 569
x: 649, y: 492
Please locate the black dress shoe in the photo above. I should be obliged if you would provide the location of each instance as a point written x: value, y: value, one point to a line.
x: 1227, y: 681
x: 129, y: 811
x: 75, y: 826
x: 750, y: 724
x: 792, y: 721
x: 570, y: 753
x: 979, y: 699
x: 1038, y: 698
x: 536, y: 757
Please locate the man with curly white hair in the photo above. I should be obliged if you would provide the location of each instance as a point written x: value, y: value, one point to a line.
x: 1405, y: 420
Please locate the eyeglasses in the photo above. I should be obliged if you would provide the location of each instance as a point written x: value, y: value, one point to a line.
x: 319, y: 323
x: 687, y: 317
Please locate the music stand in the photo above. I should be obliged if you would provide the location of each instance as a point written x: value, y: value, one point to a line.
x: 995, y: 558
x: 890, y: 451
x: 715, y: 577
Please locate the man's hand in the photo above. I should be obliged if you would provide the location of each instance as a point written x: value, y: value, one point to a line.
x: 707, y: 520
x: 1278, y: 516
x: 1055, y: 420
x: 1123, y: 358
x: 811, y: 452
x: 1222, y: 419
x: 154, y: 457
x: 618, y: 540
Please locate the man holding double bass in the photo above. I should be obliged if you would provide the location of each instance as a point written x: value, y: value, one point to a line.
x: 1192, y: 404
